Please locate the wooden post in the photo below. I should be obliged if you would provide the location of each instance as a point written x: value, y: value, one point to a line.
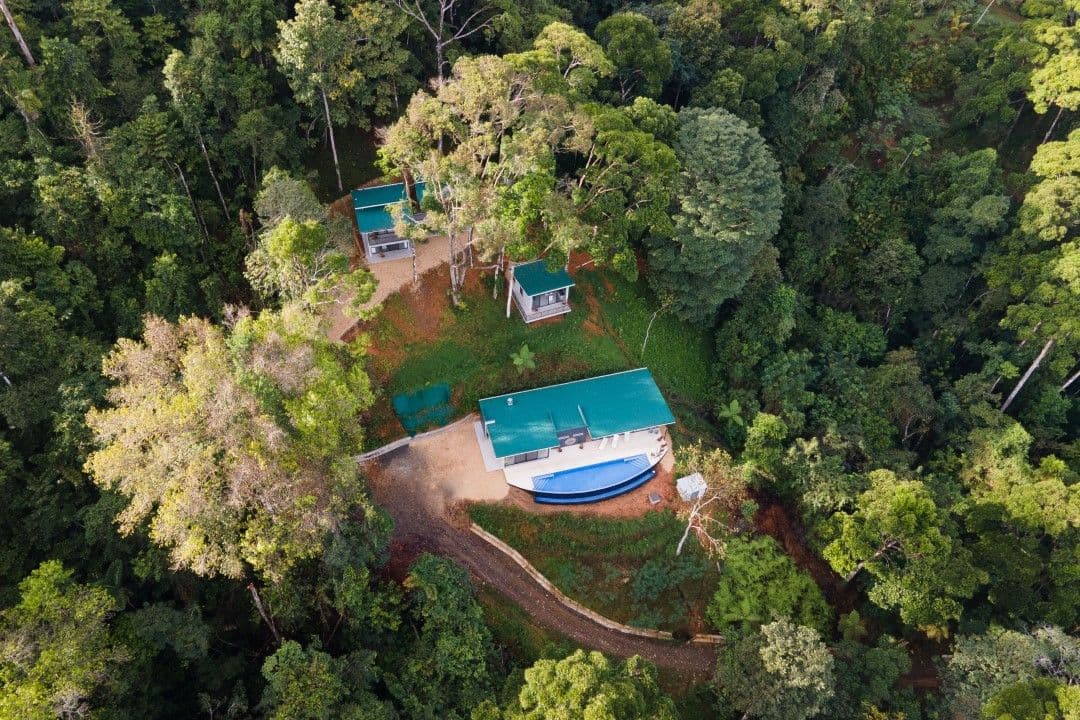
x: 509, y: 288
x: 210, y: 167
x: 1046, y: 138
x: 985, y: 10
x: 498, y: 270
x: 333, y: 144
x: 1070, y: 381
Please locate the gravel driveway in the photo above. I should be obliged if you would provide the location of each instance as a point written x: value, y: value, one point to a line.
x: 412, y: 484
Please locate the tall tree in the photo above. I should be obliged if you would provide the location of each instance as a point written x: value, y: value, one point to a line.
x: 784, y: 672
x: 446, y: 22
x: 623, y: 187
x: 728, y: 201
x: 191, y: 85
x: 388, y: 69
x: 1039, y: 699
x: 233, y: 449
x: 1056, y: 80
x: 309, y: 684
x: 302, y: 253
x: 981, y: 667
x: 56, y: 647
x: 642, y: 59
x: 17, y: 33
x: 316, y: 53
x: 588, y: 686
x: 448, y: 670
x: 709, y: 517
x: 487, y: 128
x: 1035, y: 269
x: 901, y: 538
x: 34, y: 350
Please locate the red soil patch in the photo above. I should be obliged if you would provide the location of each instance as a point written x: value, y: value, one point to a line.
x: 695, y: 622
x: 773, y: 520
x: 579, y: 260
x: 382, y: 422
x: 592, y: 323
x: 403, y: 553
x: 546, y: 321
x: 342, y: 207
x: 429, y: 300
x: 474, y: 281
x: 416, y: 313
x: 924, y: 673
x: 591, y: 327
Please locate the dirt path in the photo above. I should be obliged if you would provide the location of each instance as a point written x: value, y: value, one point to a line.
x: 393, y: 277
x: 417, y: 529
x: 774, y: 520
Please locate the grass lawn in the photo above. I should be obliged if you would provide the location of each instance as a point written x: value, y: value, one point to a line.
x: 469, y: 348
x: 625, y: 569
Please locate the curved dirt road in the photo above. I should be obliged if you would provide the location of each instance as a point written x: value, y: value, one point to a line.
x: 421, y: 526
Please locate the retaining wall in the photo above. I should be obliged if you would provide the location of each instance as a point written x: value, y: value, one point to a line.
x: 400, y: 442
x: 580, y: 609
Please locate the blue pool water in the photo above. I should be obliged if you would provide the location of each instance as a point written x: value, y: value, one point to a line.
x: 593, y: 482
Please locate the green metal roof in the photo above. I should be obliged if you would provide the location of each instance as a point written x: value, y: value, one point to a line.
x: 533, y: 419
x: 374, y: 219
x: 370, y: 205
x: 378, y: 196
x: 535, y: 278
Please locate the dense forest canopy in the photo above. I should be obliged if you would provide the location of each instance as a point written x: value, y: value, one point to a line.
x: 871, y: 209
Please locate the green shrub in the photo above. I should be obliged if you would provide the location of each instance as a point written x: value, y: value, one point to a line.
x: 759, y: 583
x: 665, y: 573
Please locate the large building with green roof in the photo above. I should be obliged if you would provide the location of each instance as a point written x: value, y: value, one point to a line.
x: 574, y: 441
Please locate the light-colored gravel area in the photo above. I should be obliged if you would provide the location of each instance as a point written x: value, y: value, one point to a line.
x: 445, y: 468
x: 392, y: 277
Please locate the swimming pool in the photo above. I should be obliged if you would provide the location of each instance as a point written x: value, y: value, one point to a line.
x: 593, y: 482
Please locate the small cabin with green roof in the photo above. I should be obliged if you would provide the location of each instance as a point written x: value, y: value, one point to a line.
x: 375, y: 224
x: 540, y: 292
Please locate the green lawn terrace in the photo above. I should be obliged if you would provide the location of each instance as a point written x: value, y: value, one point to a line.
x: 418, y: 339
x: 374, y: 222
x: 577, y: 442
x: 622, y: 567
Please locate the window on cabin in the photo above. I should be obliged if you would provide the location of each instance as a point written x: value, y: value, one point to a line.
x: 548, y: 299
x: 526, y: 457
x: 390, y: 247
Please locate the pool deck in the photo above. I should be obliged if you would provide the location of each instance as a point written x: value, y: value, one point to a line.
x: 653, y: 443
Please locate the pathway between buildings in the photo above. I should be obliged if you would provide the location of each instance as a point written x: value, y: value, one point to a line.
x: 392, y: 277
x: 421, y: 525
